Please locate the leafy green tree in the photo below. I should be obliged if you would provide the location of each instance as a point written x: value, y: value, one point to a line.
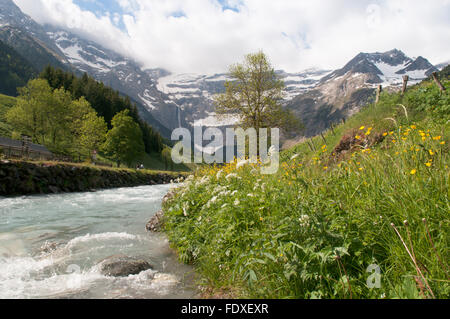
x: 255, y: 94
x: 29, y: 115
x: 59, y: 114
x: 53, y: 119
x: 124, y: 141
x: 106, y: 102
x: 90, y: 129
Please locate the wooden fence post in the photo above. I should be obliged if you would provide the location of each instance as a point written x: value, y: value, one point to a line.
x: 439, y: 84
x: 405, y: 83
x: 323, y: 138
x: 379, y: 90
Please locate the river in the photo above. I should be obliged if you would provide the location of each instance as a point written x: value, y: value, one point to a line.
x: 51, y: 245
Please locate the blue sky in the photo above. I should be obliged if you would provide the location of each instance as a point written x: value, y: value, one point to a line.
x: 206, y: 36
x: 103, y: 7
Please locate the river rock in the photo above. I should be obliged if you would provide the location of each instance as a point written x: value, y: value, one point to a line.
x: 123, y: 266
x: 155, y: 224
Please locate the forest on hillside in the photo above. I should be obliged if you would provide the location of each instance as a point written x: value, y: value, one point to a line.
x: 15, y: 71
x: 105, y: 101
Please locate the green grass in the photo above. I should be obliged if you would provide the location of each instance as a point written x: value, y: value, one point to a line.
x: 90, y: 165
x: 314, y: 229
x: 6, y: 102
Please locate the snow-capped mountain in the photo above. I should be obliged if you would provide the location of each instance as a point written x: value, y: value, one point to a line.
x: 301, y: 82
x: 194, y: 93
x: 385, y: 68
x: 121, y: 73
x: 343, y: 92
x: 442, y: 65
x: 168, y: 101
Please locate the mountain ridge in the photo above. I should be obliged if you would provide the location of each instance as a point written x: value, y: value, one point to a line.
x: 171, y: 100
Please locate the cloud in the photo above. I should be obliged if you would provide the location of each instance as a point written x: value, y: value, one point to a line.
x: 206, y: 36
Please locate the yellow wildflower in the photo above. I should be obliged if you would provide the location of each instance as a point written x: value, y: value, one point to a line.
x: 385, y: 134
x: 362, y: 128
x: 413, y: 127
x: 413, y: 172
x: 437, y: 138
x: 428, y: 164
x: 431, y: 152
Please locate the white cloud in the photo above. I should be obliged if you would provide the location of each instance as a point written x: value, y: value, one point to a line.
x: 200, y: 36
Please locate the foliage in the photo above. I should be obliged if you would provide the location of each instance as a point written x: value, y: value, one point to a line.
x: 52, y: 118
x: 124, y: 141
x: 90, y: 129
x: 6, y: 102
x: 15, y: 71
x: 106, y: 102
x: 255, y: 94
x: 313, y: 229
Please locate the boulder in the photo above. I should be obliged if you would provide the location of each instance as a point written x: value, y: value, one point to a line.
x: 123, y: 266
x: 155, y: 224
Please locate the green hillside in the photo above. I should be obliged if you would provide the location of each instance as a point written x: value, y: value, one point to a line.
x: 15, y: 71
x: 6, y: 102
x: 39, y: 54
x: 371, y: 195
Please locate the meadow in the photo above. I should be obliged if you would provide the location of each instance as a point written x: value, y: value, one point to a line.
x: 362, y: 212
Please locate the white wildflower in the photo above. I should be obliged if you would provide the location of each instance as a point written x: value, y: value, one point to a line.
x: 250, y: 195
x: 236, y: 202
x: 230, y: 176
x: 224, y: 205
x: 234, y: 193
x: 304, y: 220
x: 219, y: 174
x: 294, y: 157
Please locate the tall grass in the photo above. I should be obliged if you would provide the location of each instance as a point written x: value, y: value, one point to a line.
x: 319, y: 227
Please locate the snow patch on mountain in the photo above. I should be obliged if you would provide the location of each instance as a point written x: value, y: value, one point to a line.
x: 213, y: 120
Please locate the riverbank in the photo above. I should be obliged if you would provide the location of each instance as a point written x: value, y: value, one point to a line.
x: 360, y: 212
x: 28, y: 178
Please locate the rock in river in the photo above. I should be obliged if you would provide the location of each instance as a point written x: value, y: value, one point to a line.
x: 155, y: 223
x: 123, y: 266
